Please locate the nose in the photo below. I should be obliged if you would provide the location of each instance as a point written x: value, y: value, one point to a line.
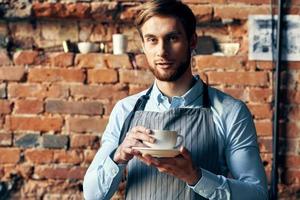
x: 162, y: 49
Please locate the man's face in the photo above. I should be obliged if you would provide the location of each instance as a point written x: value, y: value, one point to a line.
x: 166, y: 47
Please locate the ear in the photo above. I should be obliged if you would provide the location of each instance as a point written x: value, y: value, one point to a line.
x: 193, y: 41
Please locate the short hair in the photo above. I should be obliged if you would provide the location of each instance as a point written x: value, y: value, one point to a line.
x: 173, y: 8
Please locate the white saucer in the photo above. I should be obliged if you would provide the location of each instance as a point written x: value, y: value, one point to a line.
x: 158, y: 152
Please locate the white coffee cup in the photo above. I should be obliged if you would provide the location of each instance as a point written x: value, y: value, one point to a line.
x: 119, y: 44
x: 165, y: 139
x: 87, y: 47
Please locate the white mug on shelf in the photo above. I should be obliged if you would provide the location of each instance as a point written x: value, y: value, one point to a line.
x: 119, y: 44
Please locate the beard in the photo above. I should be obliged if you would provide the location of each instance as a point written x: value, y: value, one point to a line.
x: 172, y: 75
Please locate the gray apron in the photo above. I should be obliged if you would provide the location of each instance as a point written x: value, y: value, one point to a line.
x: 195, y: 125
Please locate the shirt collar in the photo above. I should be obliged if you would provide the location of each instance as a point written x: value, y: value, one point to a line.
x: 190, y: 96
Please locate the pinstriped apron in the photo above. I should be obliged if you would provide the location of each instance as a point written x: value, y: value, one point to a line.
x: 196, y: 126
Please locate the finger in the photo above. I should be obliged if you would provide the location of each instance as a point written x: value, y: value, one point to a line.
x: 140, y: 129
x: 127, y: 150
x: 185, y: 153
x: 143, y: 137
x: 141, y: 158
x: 130, y: 142
x: 165, y: 170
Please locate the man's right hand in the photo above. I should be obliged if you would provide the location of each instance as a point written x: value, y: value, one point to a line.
x: 134, y: 138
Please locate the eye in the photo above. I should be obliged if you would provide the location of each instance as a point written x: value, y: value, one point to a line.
x: 151, y: 40
x: 173, y: 38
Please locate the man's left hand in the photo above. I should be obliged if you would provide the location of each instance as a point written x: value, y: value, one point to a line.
x: 180, y: 166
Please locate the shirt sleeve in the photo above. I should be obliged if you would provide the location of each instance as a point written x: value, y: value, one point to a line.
x: 104, y: 175
x: 243, y: 161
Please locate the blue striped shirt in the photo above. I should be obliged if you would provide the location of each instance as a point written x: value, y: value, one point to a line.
x: 237, y: 142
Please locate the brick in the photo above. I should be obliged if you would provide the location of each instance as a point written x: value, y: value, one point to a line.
x: 5, y: 107
x: 61, y: 10
x: 103, y: 10
x: 76, y: 10
x: 116, y: 91
x: 290, y: 96
x: 108, y: 107
x: 141, y: 61
x: 5, y: 139
x: 1, y: 121
x: 15, y: 73
x: 240, y: 11
x: 136, y: 77
x: 90, y: 60
x: 56, y: 74
x: 134, y: 89
x: 290, y: 161
x: 239, y: 78
x: 264, y: 65
x: 45, y: 172
x: 118, y: 61
x: 25, y: 171
x: 255, y: 2
x: 219, y: 62
x: 70, y: 157
x: 294, y: 114
x: 83, y: 125
x: 84, y: 141
x: 34, y: 123
x: 28, y: 106
x: 83, y: 108
x: 38, y: 91
x: 289, y: 79
x: 292, y: 65
x: 261, y: 111
x: 89, y: 156
x: 102, y: 76
x: 290, y: 176
x: 62, y: 59
x: 43, y: 9
x: 238, y: 93
x: 203, y: 13
x: 202, y: 1
x: 4, y: 59
x: 129, y: 13
x: 263, y: 128
x: 26, y: 140
x: 287, y: 191
x: 9, y: 155
x: 3, y: 92
x: 288, y: 146
x: 27, y: 57
x: 261, y: 95
x: 60, y: 91
x: 22, y: 171
x: 265, y: 145
x: 289, y: 129
x: 39, y: 156
x: 63, y: 196
x: 55, y: 141
x: 25, y: 90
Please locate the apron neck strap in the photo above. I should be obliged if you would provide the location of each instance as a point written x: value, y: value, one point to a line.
x: 206, y: 101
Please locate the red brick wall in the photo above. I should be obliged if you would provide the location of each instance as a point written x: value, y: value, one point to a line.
x: 54, y: 106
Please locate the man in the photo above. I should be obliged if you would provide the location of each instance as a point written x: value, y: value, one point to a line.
x: 220, y: 136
